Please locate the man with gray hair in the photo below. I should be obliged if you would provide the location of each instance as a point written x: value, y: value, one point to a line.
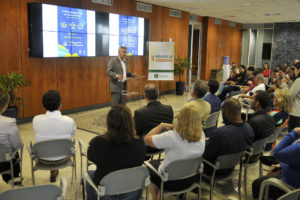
x: 199, y: 89
x: 117, y: 71
x: 154, y: 113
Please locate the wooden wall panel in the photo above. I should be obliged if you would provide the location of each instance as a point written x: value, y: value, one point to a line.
x: 212, y: 53
x: 83, y: 81
x: 10, y: 51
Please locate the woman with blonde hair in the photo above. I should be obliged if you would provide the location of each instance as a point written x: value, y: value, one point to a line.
x: 182, y: 140
x: 282, y: 106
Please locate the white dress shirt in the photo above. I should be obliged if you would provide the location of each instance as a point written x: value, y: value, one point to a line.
x: 9, y: 133
x: 51, y: 126
x: 124, y: 70
x: 261, y: 86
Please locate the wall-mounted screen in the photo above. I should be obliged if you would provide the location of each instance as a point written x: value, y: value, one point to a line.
x: 57, y: 31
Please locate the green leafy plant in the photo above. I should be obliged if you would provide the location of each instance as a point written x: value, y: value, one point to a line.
x: 10, y: 83
x: 180, y: 65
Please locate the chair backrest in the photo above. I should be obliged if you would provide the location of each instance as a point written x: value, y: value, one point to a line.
x: 272, y: 138
x: 4, y: 151
x: 44, y: 192
x: 259, y: 146
x: 184, y: 168
x: 124, y: 181
x: 229, y: 160
x: 53, y: 148
x: 212, y: 120
x: 294, y: 195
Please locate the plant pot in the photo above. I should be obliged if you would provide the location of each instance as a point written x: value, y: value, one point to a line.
x: 180, y: 87
x: 11, y: 112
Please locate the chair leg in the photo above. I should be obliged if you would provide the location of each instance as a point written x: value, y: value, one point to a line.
x: 245, y: 180
x: 75, y: 178
x: 32, y: 175
x: 260, y: 169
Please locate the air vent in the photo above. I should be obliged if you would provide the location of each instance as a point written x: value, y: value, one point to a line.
x: 232, y: 24
x: 144, y: 7
x: 218, y: 21
x: 104, y: 2
x: 193, y: 18
x: 175, y: 13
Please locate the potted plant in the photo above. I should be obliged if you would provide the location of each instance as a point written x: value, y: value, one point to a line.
x: 179, y: 66
x: 10, y: 83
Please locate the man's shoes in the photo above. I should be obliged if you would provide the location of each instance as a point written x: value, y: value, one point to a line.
x: 268, y: 160
x: 53, y: 175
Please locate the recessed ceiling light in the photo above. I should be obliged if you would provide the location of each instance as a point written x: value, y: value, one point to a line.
x: 271, y: 14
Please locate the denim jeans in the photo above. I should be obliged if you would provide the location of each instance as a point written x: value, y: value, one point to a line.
x: 92, y: 195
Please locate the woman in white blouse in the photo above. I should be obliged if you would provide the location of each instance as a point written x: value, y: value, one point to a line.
x: 182, y: 140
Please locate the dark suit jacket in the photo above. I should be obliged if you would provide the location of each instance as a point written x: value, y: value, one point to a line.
x: 263, y: 124
x: 148, y: 117
x: 231, y: 138
x: 114, y: 68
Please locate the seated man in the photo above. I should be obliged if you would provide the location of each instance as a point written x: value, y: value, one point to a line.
x: 234, y: 137
x: 235, y: 85
x: 211, y: 98
x: 199, y: 89
x: 53, y: 125
x: 151, y: 115
x: 262, y: 123
x: 10, y: 137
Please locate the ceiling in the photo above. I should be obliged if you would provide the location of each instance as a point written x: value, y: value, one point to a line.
x: 241, y: 11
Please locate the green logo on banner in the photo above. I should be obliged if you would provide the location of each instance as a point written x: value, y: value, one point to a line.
x: 155, y: 75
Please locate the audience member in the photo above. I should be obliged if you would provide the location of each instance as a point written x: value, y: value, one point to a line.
x: 287, y: 153
x: 234, y: 137
x: 151, y: 115
x: 199, y: 89
x: 211, y: 98
x: 259, y: 85
x: 295, y: 92
x: 282, y: 107
x: 10, y: 137
x: 235, y: 85
x: 266, y: 71
x: 261, y: 122
x: 119, y: 148
x: 51, y: 126
x: 184, y: 139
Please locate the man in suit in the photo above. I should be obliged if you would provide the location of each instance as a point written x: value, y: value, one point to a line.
x: 117, y: 71
x: 199, y: 89
x: 211, y: 98
x: 151, y: 115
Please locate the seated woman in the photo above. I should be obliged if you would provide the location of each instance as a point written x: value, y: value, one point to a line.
x: 119, y: 148
x: 266, y: 71
x: 287, y: 153
x: 10, y: 137
x: 184, y: 139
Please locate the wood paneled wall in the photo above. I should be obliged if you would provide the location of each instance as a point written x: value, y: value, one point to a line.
x: 212, y: 54
x: 81, y: 81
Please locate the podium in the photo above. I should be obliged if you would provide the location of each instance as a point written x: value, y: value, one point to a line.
x: 135, y: 86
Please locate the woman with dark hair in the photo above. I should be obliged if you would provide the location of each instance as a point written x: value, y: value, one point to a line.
x: 10, y: 137
x: 119, y: 148
x: 266, y: 71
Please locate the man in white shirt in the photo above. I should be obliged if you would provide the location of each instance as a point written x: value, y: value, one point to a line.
x: 117, y: 71
x: 53, y: 125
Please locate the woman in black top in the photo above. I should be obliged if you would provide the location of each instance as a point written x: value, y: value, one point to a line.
x: 119, y: 148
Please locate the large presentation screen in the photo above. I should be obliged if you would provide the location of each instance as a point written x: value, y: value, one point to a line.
x: 57, y: 31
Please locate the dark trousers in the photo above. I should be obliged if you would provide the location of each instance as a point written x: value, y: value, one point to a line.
x: 293, y: 122
x: 228, y: 89
x: 6, y: 165
x: 274, y: 192
x: 117, y: 98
